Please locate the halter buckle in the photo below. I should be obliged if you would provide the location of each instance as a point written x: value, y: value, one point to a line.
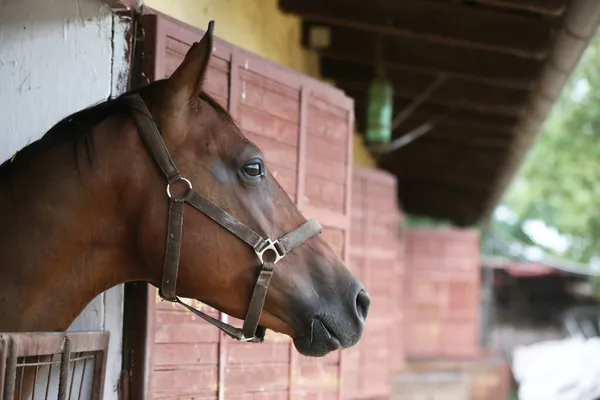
x: 252, y: 339
x: 267, y: 245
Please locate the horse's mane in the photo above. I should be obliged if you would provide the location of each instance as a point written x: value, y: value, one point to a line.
x: 78, y: 126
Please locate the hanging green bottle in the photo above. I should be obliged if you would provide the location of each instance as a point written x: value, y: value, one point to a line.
x: 379, y: 110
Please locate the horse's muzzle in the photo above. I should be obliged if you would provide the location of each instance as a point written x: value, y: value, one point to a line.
x: 338, y: 323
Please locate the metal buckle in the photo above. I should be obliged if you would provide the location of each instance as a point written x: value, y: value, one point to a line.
x: 268, y: 244
x: 180, y: 179
x: 253, y: 339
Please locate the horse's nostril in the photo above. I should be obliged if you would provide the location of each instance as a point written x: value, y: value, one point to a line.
x: 363, y: 301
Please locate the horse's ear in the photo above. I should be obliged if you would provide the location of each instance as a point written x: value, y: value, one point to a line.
x: 188, y: 78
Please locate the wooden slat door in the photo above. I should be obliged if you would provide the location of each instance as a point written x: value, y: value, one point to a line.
x: 292, y: 118
x: 443, y: 290
x: 375, y: 254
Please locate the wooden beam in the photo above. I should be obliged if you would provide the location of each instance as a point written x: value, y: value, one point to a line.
x: 552, y: 8
x: 352, y: 46
x: 444, y: 129
x: 357, y: 78
x: 475, y: 143
x: 459, y: 121
x: 441, y: 113
x: 449, y: 24
x: 354, y: 71
x: 458, y: 183
x: 411, y: 157
x: 516, y: 108
x: 436, y: 197
x: 441, y: 201
x: 445, y: 160
x: 426, y: 166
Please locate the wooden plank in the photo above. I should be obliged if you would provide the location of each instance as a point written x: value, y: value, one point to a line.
x: 318, y: 147
x: 270, y: 102
x: 329, y: 170
x: 260, y: 123
x: 300, y: 201
x: 256, y: 377
x: 268, y: 352
x: 332, y: 108
x: 174, y: 315
x: 302, y: 153
x: 375, y: 226
x: 326, y: 217
x: 327, y: 126
x: 545, y: 7
x: 271, y: 395
x: 434, y: 22
x: 252, y: 71
x: 351, y: 48
x: 449, y: 117
x: 515, y: 109
x: 179, y: 354
x: 186, y: 333
x: 185, y: 381
x: 335, y: 238
x: 168, y: 306
x: 325, y: 194
x: 442, y: 282
x: 409, y: 85
x: 464, y: 179
x: 235, y: 112
x: 314, y: 377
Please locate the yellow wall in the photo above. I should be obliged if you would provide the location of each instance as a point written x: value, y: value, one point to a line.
x: 362, y: 157
x: 255, y: 25
x: 258, y: 26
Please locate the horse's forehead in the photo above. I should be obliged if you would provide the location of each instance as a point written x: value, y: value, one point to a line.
x: 223, y: 132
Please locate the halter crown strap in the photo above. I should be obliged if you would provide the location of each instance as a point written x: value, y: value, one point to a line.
x: 251, y: 331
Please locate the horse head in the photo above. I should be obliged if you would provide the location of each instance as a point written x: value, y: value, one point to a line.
x: 312, y: 296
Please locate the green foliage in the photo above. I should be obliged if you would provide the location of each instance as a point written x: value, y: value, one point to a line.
x: 560, y: 181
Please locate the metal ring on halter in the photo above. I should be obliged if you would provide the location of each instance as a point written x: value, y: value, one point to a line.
x: 181, y: 178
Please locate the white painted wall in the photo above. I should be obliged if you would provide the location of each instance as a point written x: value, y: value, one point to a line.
x: 57, y: 57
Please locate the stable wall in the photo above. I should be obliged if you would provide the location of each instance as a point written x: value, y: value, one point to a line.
x: 376, y: 258
x: 442, y: 291
x: 260, y: 27
x: 57, y: 57
x: 304, y: 129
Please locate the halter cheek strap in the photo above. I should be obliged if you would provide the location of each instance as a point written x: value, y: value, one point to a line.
x: 269, y: 252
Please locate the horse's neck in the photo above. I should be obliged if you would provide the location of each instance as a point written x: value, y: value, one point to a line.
x: 61, y: 242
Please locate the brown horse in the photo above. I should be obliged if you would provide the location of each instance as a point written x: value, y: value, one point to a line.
x: 84, y: 209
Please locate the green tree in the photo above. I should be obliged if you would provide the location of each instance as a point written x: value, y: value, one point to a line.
x: 560, y: 181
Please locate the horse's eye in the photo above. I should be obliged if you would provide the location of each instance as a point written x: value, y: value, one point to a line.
x: 253, y: 169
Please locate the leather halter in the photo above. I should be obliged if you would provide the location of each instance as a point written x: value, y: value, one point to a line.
x: 268, y: 251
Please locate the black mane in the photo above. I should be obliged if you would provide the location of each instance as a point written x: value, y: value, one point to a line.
x: 79, y: 125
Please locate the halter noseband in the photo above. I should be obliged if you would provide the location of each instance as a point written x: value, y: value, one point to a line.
x: 277, y: 249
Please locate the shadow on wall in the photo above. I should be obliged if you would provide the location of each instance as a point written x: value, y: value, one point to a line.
x: 55, y: 58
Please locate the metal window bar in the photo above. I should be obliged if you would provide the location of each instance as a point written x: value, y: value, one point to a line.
x: 53, y: 365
